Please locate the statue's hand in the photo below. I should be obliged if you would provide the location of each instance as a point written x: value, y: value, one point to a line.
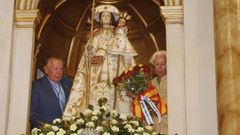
x: 97, y: 59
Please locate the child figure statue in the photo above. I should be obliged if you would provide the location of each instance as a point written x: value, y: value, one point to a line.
x: 122, y: 48
x: 121, y: 44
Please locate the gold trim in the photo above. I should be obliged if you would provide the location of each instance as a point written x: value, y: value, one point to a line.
x: 109, y: 2
x: 177, y: 2
x: 157, y: 2
x: 172, y: 14
x: 73, y: 39
x: 154, y: 41
x: 59, y: 4
x: 42, y: 25
x: 36, y: 53
x: 31, y: 4
x: 138, y: 14
x: 18, y: 4
x: 25, y: 4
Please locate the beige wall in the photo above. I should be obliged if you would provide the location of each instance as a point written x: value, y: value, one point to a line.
x: 6, y: 27
x: 200, y: 85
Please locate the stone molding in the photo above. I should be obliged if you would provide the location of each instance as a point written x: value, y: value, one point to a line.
x: 172, y: 14
x: 27, y: 18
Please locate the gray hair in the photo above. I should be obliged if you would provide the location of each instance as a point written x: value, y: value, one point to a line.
x: 161, y: 53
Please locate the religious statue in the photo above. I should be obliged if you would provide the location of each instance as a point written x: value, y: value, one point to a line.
x: 101, y: 63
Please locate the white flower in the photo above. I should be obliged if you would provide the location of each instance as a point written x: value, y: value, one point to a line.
x: 51, y: 133
x: 115, y: 129
x: 55, y: 128
x: 106, y: 133
x: 149, y: 128
x: 62, y: 130
x: 73, y: 134
x: 131, y: 130
x: 139, y: 129
x: 113, y: 121
x: 41, y: 134
x: 146, y: 133
x: 57, y: 121
x: 96, y: 112
x: 154, y: 133
x: 125, y: 122
x: 127, y: 126
x: 87, y: 112
x: 123, y: 117
x: 80, y: 121
x: 35, y: 131
x: 79, y: 131
x: 73, y: 127
x: 114, y: 113
x: 60, y: 133
x: 90, y: 124
x: 94, y: 118
x: 103, y: 107
x: 136, y: 134
x: 99, y: 128
x: 134, y: 122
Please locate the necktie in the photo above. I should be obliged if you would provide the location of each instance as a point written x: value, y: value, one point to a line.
x: 61, y: 96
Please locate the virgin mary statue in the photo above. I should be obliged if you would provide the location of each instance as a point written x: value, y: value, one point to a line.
x: 98, y: 66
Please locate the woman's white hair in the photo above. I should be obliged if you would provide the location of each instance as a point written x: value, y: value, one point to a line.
x: 161, y: 53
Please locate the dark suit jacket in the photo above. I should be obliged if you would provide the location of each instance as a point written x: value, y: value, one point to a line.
x: 44, y: 102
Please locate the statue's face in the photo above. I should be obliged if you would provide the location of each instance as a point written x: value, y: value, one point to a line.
x: 121, y: 22
x: 106, y: 18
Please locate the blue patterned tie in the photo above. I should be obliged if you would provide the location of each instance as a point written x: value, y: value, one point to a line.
x: 61, y: 96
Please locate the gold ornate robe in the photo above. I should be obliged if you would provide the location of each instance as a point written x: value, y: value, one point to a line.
x: 101, y: 75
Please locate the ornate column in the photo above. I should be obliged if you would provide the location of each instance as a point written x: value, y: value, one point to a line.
x: 6, y: 27
x: 26, y: 18
x: 173, y: 18
x: 227, y: 33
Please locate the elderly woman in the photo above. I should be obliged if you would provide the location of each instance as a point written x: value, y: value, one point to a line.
x: 158, y: 59
x: 94, y: 79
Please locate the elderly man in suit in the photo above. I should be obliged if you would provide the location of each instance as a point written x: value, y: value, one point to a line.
x: 49, y: 94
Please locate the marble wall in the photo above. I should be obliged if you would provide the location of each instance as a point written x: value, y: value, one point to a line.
x: 227, y: 33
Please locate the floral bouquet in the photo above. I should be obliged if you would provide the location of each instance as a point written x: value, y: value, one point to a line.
x: 136, y: 81
x: 97, y: 121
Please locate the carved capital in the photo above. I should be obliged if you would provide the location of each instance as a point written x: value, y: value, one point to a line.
x: 27, y: 18
x: 172, y: 14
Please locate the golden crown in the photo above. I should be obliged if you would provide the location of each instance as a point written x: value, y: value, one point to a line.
x: 125, y: 15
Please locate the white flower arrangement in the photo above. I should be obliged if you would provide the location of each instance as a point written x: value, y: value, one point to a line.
x: 99, y: 121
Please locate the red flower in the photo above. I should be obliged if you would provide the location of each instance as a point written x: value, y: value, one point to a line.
x: 147, y: 70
